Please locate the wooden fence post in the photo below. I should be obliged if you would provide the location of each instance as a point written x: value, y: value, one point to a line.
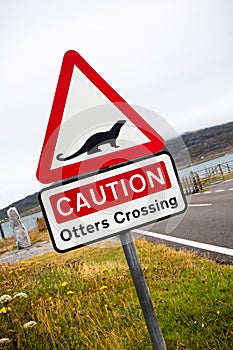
x: 188, y: 185
x: 199, y: 181
x: 221, y: 172
x: 195, y: 186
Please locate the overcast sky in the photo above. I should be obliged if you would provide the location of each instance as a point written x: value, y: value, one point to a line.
x: 174, y: 57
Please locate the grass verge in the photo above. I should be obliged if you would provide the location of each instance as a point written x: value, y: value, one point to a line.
x: 85, y: 299
x: 8, y: 243
x: 216, y: 178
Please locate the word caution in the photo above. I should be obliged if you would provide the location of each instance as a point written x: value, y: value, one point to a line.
x: 87, y: 199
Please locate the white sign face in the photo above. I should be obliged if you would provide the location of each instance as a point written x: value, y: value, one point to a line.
x: 88, y: 112
x: 125, y: 197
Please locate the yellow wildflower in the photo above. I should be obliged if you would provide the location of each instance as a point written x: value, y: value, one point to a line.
x: 104, y: 270
x: 70, y: 292
x: 21, y: 262
x: 218, y: 312
x: 64, y: 284
x: 5, y: 309
x: 202, y: 325
x: 103, y: 288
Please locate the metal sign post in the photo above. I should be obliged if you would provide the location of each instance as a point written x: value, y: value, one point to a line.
x: 142, y: 291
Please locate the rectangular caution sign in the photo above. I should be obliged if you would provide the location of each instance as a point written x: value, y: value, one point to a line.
x: 125, y: 197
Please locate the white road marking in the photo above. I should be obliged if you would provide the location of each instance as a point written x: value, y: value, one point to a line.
x: 213, y: 248
x: 207, y: 192
x: 200, y: 205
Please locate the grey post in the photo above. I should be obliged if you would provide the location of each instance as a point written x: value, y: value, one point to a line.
x: 19, y: 230
x: 142, y: 291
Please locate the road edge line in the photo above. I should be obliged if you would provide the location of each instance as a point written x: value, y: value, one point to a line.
x: 213, y: 248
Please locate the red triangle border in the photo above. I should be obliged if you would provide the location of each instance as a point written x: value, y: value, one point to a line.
x: 47, y: 175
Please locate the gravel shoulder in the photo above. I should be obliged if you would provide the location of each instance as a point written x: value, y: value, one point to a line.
x: 16, y: 255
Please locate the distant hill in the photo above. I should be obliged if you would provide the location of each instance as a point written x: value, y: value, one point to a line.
x: 27, y: 204
x: 204, y: 144
x: 208, y: 143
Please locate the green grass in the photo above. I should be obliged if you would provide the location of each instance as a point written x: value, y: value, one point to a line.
x: 217, y: 177
x: 97, y: 307
x: 9, y: 244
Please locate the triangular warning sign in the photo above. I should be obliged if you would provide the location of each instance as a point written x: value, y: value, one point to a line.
x: 90, y: 126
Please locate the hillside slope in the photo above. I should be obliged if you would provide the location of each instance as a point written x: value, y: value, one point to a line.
x: 23, y: 205
x: 209, y: 142
x: 206, y: 143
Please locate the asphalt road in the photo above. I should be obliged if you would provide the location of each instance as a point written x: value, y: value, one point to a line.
x: 206, y: 227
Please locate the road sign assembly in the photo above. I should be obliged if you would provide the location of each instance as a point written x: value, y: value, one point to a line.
x: 109, y: 172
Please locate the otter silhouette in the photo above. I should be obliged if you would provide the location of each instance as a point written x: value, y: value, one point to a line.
x: 94, y: 141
